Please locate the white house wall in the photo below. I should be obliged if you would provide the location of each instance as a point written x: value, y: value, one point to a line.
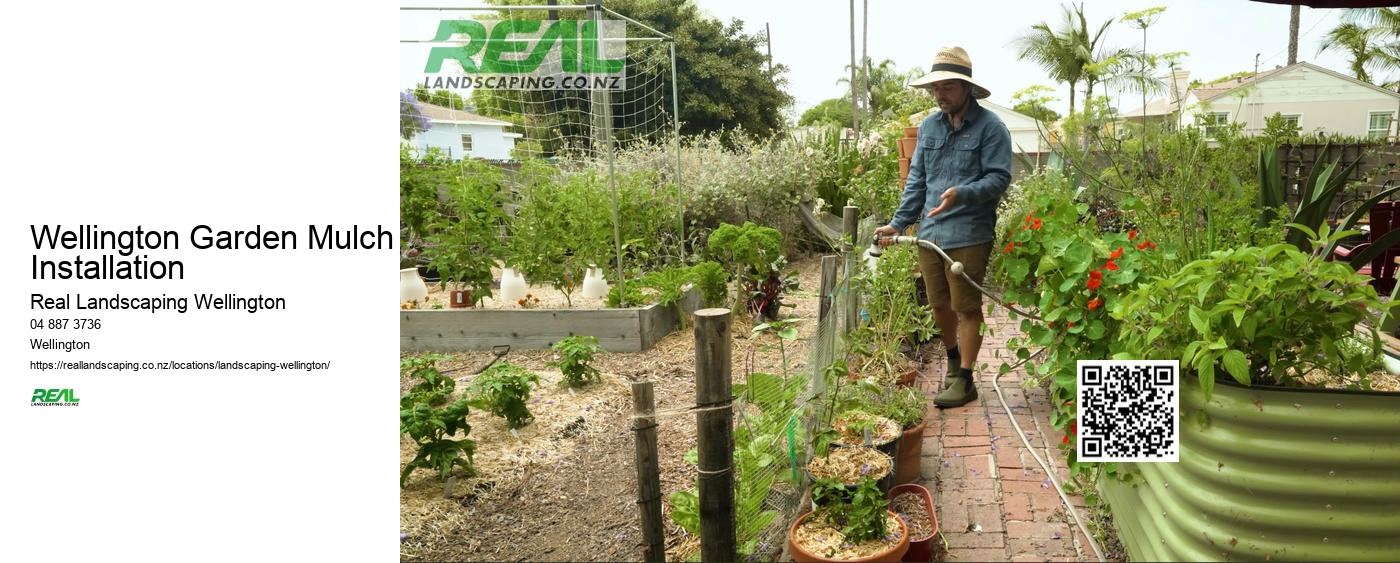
x: 1323, y: 103
x: 488, y: 141
x: 1025, y: 138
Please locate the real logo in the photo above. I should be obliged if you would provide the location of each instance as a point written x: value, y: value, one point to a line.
x: 54, y: 396
x: 559, y: 54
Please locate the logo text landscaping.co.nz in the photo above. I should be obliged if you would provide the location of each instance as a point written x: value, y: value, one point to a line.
x: 54, y: 398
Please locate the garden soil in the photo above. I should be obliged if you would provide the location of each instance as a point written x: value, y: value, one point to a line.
x: 563, y: 488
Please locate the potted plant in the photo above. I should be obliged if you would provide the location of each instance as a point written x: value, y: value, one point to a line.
x: 907, y: 406
x: 848, y: 524
x: 848, y: 465
x: 893, y: 315
x: 1267, y: 464
x: 465, y: 244
x: 914, y: 505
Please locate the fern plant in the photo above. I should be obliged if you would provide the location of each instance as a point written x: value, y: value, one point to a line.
x: 503, y: 390
x: 431, y: 421
x: 576, y: 359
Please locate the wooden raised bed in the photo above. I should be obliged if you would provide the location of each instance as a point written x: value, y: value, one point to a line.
x: 617, y: 330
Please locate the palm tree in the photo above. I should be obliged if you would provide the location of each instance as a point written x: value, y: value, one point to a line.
x: 1370, y: 37
x: 879, y: 83
x: 1071, y: 54
x: 1356, y: 42
x: 1053, y: 52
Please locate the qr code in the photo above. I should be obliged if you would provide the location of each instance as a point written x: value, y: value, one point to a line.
x: 1127, y: 411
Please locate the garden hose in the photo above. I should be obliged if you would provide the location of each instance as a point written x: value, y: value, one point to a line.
x: 954, y: 266
x: 957, y: 268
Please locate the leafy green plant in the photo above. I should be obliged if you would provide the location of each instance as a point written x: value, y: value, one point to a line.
x: 559, y: 226
x: 905, y: 405
x: 503, y: 390
x: 670, y: 285
x: 859, y: 513
x: 1259, y: 314
x: 419, y: 178
x: 627, y: 294
x: 895, y: 316
x: 1071, y: 277
x: 465, y: 244
x: 575, y: 362
x: 713, y: 282
x: 786, y: 331
x: 756, y: 254
x: 426, y: 415
x: 1323, y: 185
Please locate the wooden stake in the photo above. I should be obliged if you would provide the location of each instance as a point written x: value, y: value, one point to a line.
x: 850, y: 221
x: 714, y: 423
x: 648, y: 471
x: 828, y: 286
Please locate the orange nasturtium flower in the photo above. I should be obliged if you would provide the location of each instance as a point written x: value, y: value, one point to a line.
x: 1095, y: 279
x: 1116, y: 254
x: 1143, y: 245
x: 1110, y: 265
x: 1132, y: 234
x: 1095, y: 303
x: 1010, y: 246
x: 1073, y: 429
x: 1035, y: 225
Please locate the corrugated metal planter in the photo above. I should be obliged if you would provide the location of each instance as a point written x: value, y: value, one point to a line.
x: 1275, y: 474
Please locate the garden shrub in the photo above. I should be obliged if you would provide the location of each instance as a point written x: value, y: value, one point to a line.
x: 427, y: 417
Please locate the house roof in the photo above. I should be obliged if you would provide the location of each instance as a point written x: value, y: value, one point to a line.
x: 1205, y: 93
x: 439, y: 114
x: 1165, y: 106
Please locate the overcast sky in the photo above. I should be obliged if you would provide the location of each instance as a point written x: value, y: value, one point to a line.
x: 813, y: 38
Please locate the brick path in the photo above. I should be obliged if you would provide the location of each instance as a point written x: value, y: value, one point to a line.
x: 993, y: 500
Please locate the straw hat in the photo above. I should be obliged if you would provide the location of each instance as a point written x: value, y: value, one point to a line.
x: 951, y: 63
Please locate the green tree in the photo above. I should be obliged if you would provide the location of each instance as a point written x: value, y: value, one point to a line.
x: 1034, y: 100
x: 882, y: 85
x: 835, y: 111
x: 725, y: 78
x: 442, y: 98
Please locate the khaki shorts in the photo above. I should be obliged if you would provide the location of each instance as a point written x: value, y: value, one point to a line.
x: 945, y: 288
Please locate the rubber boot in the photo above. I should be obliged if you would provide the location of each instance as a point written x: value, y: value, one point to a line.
x: 954, y: 365
x: 961, y: 392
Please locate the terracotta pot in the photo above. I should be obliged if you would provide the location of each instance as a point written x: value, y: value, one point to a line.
x: 906, y: 147
x: 911, y: 132
x: 907, y: 378
x: 460, y: 298
x: 919, y: 549
x: 895, y: 552
x: 911, y: 449
x: 904, y: 168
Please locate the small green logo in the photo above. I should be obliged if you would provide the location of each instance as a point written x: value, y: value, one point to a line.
x: 530, y: 55
x: 54, y: 397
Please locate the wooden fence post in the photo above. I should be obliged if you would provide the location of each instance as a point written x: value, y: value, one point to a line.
x: 714, y: 422
x: 648, y: 471
x: 824, y: 301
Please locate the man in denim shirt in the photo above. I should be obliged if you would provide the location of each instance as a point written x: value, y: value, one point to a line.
x: 958, y: 173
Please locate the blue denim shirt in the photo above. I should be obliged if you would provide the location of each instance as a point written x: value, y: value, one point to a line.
x: 976, y: 159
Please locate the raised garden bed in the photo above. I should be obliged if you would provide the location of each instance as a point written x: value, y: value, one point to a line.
x: 617, y: 330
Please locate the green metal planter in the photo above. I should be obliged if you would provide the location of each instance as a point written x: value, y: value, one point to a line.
x: 1274, y: 474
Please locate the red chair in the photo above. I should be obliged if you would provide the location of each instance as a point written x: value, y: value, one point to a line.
x: 1385, y: 217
